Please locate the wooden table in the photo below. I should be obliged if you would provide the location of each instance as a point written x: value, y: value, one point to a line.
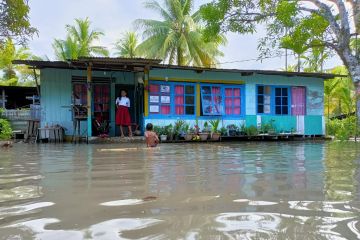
x: 53, y: 134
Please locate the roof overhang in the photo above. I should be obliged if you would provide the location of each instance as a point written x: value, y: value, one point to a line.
x: 96, y: 63
x: 141, y: 64
x: 247, y: 72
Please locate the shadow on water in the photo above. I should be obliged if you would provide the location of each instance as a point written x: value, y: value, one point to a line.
x: 181, y: 191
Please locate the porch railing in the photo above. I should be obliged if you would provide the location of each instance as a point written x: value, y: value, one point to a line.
x: 33, y: 113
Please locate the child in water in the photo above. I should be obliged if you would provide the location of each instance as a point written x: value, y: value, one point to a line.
x: 152, y: 139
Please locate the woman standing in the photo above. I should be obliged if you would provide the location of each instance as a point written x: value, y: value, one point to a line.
x: 122, y: 112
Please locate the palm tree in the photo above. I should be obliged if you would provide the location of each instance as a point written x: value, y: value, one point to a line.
x: 79, y: 42
x: 178, y: 37
x: 8, y: 53
x: 127, y: 46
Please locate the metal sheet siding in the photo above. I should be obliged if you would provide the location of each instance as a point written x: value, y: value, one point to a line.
x: 56, y: 98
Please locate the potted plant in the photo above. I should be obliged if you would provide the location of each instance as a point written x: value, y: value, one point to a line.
x: 242, y: 131
x: 215, y: 134
x: 232, y: 129
x: 251, y: 131
x: 163, y: 134
x: 102, y: 128
x: 223, y: 131
x: 178, y: 129
x: 168, y: 130
x: 188, y: 132
x: 204, y: 134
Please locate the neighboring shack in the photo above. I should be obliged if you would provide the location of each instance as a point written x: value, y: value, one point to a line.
x: 163, y: 94
x: 18, y: 104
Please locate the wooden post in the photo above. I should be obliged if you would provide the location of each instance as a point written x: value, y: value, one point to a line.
x: 146, y: 93
x: 3, y: 99
x: 198, y: 100
x: 36, y: 82
x: 89, y: 100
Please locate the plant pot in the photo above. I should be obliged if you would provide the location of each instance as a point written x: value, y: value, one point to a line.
x: 215, y: 136
x: 204, y: 136
x: 163, y: 138
x: 188, y: 137
x: 170, y: 137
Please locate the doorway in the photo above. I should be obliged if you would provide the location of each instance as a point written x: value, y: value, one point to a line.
x: 135, y: 104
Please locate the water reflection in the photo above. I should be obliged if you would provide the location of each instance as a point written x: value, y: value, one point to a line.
x: 211, y: 191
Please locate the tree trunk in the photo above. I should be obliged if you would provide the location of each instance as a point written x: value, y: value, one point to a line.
x: 353, y: 66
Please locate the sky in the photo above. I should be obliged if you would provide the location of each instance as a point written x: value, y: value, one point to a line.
x: 114, y: 17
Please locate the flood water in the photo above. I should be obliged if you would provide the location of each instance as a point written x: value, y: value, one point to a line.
x: 285, y: 190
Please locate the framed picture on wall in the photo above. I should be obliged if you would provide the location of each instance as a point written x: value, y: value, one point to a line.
x: 154, y: 99
x: 154, y: 108
x: 165, y: 99
x: 165, y: 88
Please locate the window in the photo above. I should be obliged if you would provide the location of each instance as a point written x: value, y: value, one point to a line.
x: 159, y: 99
x: 263, y: 99
x: 232, y: 101
x: 224, y: 100
x: 79, y: 94
x: 184, y: 99
x: 281, y: 101
x: 212, y: 103
x: 171, y: 98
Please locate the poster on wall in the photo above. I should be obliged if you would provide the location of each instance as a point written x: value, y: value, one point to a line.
x: 154, y: 99
x: 154, y: 108
x: 165, y: 88
x: 165, y: 99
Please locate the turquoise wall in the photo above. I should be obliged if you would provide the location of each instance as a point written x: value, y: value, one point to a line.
x: 56, y: 90
x: 56, y: 96
x: 313, y: 121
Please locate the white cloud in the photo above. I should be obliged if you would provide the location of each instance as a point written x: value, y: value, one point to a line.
x: 114, y: 17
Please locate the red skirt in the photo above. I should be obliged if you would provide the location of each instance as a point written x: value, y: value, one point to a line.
x: 123, y: 116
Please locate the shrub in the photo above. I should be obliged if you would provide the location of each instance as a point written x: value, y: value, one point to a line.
x: 343, y: 129
x: 251, y: 131
x: 5, y: 129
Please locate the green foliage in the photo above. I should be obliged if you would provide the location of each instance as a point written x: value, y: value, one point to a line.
x: 251, y: 131
x: 178, y: 126
x: 286, y: 12
x: 178, y: 37
x: 14, y: 21
x: 158, y: 130
x: 340, y: 95
x: 127, y: 46
x: 186, y: 127
x: 13, y: 74
x: 232, y: 127
x: 268, y: 127
x: 5, y: 129
x: 79, y: 42
x: 289, y: 25
x: 168, y: 129
x: 214, y: 125
x: 206, y: 127
x: 223, y: 131
x: 342, y: 129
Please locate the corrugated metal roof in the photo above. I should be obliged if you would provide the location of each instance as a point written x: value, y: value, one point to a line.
x: 138, y: 64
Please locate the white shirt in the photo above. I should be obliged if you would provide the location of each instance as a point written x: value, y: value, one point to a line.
x: 123, y: 101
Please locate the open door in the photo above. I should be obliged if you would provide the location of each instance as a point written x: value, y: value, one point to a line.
x: 135, y: 104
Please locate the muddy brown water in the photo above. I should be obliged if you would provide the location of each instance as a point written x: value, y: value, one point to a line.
x: 281, y: 190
